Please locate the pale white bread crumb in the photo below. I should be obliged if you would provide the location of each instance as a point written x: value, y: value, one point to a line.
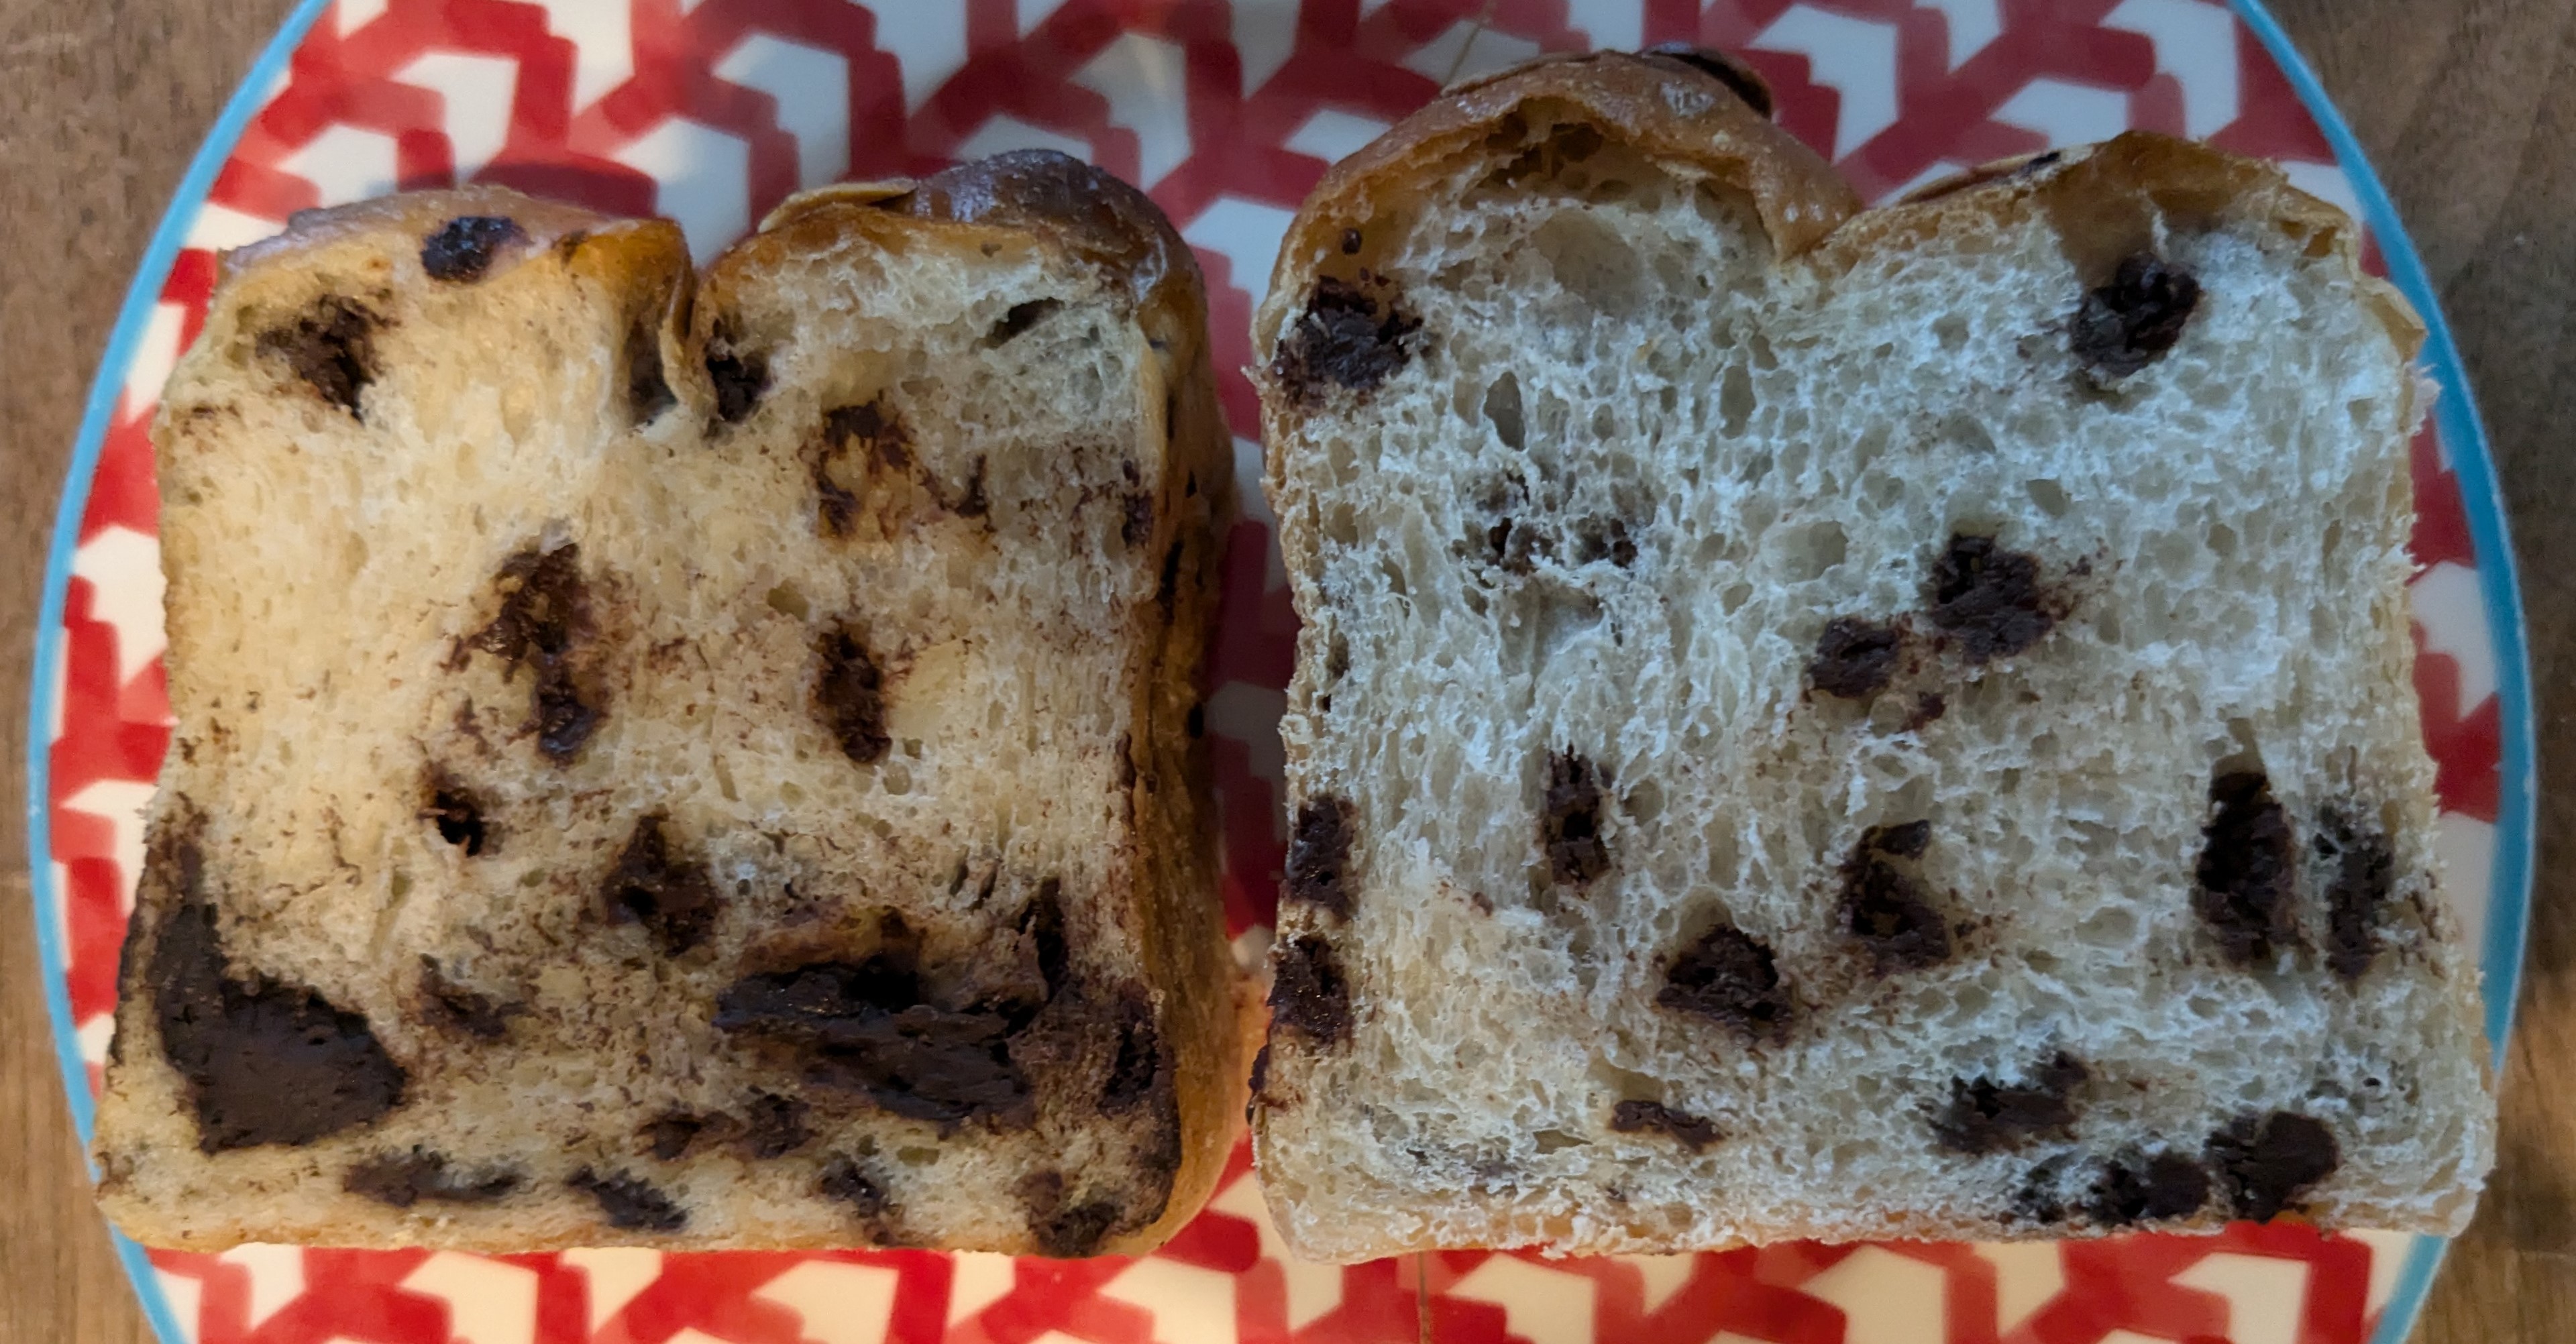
x: 1629, y: 317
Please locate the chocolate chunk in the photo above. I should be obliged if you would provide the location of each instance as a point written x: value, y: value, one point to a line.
x: 2036, y: 1199
x: 1988, y: 598
x: 1350, y: 242
x: 1928, y: 708
x: 844, y: 1179
x: 545, y: 613
x: 849, y: 694
x: 1020, y: 318
x: 2266, y: 1162
x: 1738, y: 77
x: 262, y: 1062
x: 2361, y: 875
x: 406, y: 1178
x: 564, y: 721
x: 1987, y: 1115
x: 1347, y: 337
x: 1308, y: 993
x: 2131, y: 322
x: 545, y: 607
x: 629, y: 1203
x: 1137, y: 527
x: 1729, y: 976
x: 1043, y: 924
x: 331, y: 346
x: 459, y: 817
x: 463, y: 248
x: 1260, y: 1072
x: 1319, y: 855
x: 669, y: 894
x: 865, y: 1027
x: 1142, y: 1063
x: 1063, y: 1229
x: 1855, y: 657
x: 2245, y: 871
x: 773, y: 1126
x: 2142, y: 1189
x: 1569, y: 821
x: 648, y: 389
x: 873, y: 428
x: 1887, y: 908
x: 739, y: 375
x: 669, y: 1135
x: 476, y: 1014
x: 1634, y: 1117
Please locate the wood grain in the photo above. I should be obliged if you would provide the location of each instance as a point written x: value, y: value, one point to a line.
x: 2468, y: 107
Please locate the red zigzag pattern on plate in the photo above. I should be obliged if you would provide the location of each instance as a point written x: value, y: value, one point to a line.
x: 714, y: 111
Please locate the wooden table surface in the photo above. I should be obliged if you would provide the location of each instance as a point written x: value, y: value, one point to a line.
x: 2467, y: 106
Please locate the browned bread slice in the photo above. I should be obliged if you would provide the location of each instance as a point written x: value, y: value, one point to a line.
x: 1821, y: 723
x: 693, y: 762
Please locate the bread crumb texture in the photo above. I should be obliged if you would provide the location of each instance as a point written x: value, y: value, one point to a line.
x: 1895, y: 731
x: 686, y: 760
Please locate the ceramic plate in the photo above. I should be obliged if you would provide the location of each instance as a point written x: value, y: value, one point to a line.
x: 710, y: 111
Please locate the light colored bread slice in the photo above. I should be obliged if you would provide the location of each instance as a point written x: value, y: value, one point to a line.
x: 1826, y: 724
x: 686, y: 762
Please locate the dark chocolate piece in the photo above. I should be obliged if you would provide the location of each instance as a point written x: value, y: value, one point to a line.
x: 1569, y: 823
x: 1634, y: 1117
x: 1988, y: 1115
x: 1729, y: 976
x: 1888, y: 909
x: 2361, y: 876
x: 1319, y: 855
x: 2266, y: 1162
x: 865, y: 1027
x: 665, y: 891
x: 331, y: 346
x: 2126, y: 325
x: 406, y: 1178
x: 2143, y: 1189
x: 1308, y: 993
x: 1348, y: 337
x: 2246, y: 873
x: 463, y: 248
x: 849, y: 694
x: 1855, y: 658
x: 1988, y: 598
x: 628, y: 1203
x: 262, y: 1062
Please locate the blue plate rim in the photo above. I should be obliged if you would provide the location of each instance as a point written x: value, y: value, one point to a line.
x: 2463, y: 434
x: 2455, y: 411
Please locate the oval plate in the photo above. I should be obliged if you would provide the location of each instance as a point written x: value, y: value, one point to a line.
x: 710, y: 111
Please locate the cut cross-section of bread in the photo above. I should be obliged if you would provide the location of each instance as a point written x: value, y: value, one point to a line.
x: 698, y: 761
x: 1821, y: 723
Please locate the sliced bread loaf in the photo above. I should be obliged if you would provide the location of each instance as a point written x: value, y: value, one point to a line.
x: 1815, y: 723
x: 693, y: 762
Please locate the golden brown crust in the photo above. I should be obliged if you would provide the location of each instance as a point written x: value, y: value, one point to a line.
x: 1090, y: 214
x: 421, y: 213
x: 1690, y: 121
x: 2104, y: 200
